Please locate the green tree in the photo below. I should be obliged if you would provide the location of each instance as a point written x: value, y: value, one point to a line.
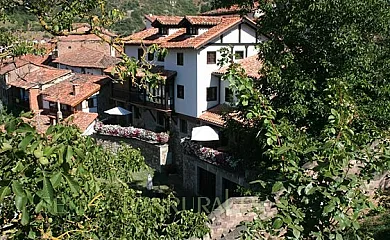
x: 320, y: 113
x: 63, y: 186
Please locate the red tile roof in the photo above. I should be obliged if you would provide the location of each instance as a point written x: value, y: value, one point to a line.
x: 251, y: 65
x: 82, y: 120
x: 179, y: 39
x: 214, y: 115
x: 84, y: 57
x: 63, y: 91
x: 39, y: 74
x: 7, y: 65
x: 167, y: 20
x: 39, y: 121
x: 203, y: 20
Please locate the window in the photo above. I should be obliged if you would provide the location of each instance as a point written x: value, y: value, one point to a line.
x: 192, y: 31
x: 160, y: 119
x: 91, y: 103
x: 212, y: 94
x: 140, y: 53
x: 228, y: 95
x: 150, y: 56
x: 239, y: 54
x: 163, y: 30
x: 211, y: 57
x: 180, y: 59
x: 160, y: 58
x: 183, y: 126
x: 137, y: 114
x: 180, y: 91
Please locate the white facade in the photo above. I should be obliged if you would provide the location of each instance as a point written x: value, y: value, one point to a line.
x: 91, y: 71
x: 196, y: 75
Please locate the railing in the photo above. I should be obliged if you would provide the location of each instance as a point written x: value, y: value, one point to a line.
x: 159, y: 102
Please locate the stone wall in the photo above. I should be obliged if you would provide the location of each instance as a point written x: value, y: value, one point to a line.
x: 225, y: 219
x: 155, y: 154
x: 190, y: 171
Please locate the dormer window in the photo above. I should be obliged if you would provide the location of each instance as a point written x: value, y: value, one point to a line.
x: 192, y: 31
x: 163, y: 30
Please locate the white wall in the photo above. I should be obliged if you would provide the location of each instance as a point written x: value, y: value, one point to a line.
x: 84, y: 104
x: 91, y: 71
x: 186, y: 76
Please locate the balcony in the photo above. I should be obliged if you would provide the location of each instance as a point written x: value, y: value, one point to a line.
x: 158, y: 98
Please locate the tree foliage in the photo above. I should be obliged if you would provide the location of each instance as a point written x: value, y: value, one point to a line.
x: 320, y: 113
x: 64, y: 186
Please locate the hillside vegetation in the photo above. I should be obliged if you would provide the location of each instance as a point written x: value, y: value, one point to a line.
x: 134, y: 11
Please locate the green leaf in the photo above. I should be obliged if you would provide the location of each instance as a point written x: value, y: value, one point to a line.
x: 277, y: 223
x: 74, y: 186
x: 17, y: 188
x: 56, y: 179
x: 282, y: 150
x: 296, y: 233
x: 19, y: 167
x: 69, y: 154
x: 276, y: 187
x: 4, y: 192
x: 48, y: 191
x: 39, y: 207
x: 6, y: 147
x: 20, y: 202
x: 339, y: 236
x: 25, y: 217
x: 43, y: 161
x: 329, y: 208
x: 24, y: 128
x: 24, y: 143
x: 79, y: 153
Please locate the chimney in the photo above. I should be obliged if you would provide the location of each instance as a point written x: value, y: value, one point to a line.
x: 59, y: 113
x: 76, y: 89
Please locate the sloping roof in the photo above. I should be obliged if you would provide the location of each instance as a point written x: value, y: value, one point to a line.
x: 10, y: 64
x: 251, y: 65
x: 167, y: 20
x: 84, y: 57
x: 63, y: 91
x: 39, y: 74
x: 82, y: 120
x: 180, y: 39
x: 203, y: 20
x: 214, y: 115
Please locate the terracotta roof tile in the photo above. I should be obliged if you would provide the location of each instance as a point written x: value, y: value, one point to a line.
x: 84, y: 57
x: 82, y: 120
x: 251, y: 65
x: 198, y: 41
x: 203, y: 20
x: 167, y: 20
x: 214, y: 115
x: 10, y: 64
x: 151, y: 36
x: 39, y: 75
x: 63, y: 91
x: 39, y: 121
x: 7, y: 65
x: 180, y: 39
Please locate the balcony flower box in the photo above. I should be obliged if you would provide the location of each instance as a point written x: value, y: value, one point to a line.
x: 208, y: 154
x: 131, y: 132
